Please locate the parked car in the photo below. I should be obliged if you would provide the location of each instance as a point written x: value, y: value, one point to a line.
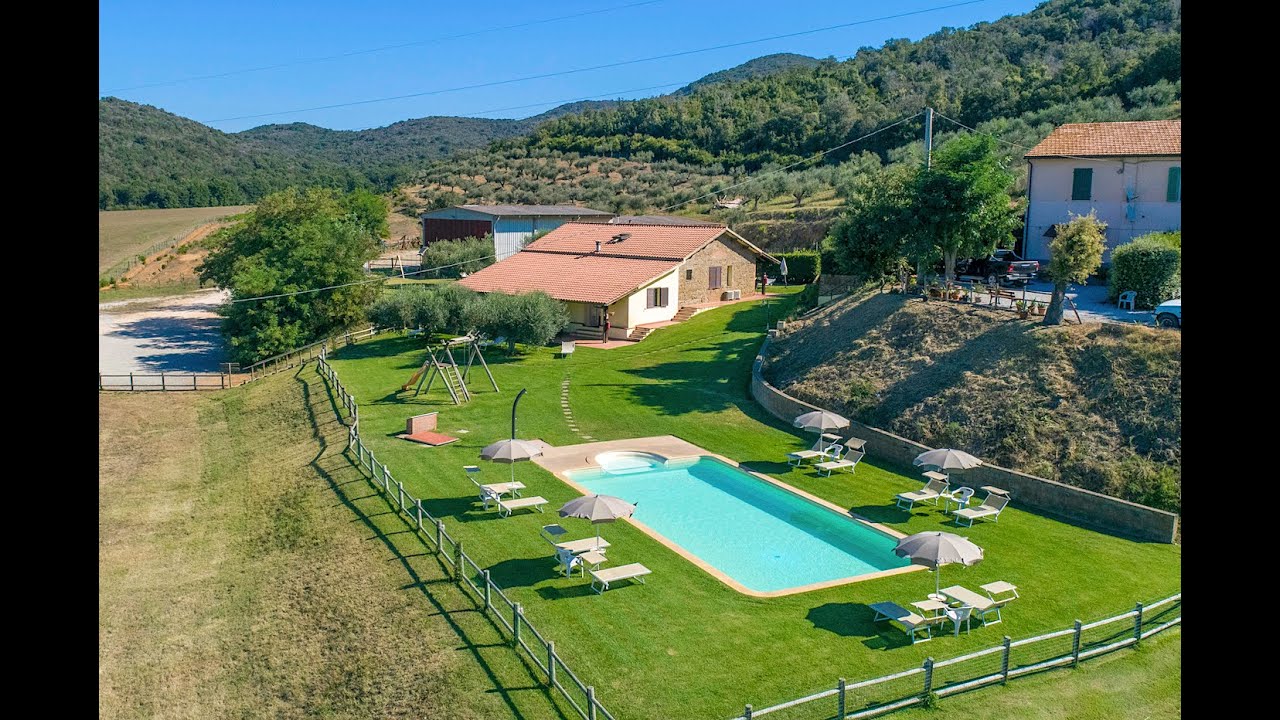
x: 1169, y: 314
x: 1001, y: 266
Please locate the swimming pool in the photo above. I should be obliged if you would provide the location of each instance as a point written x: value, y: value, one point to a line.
x: 758, y: 534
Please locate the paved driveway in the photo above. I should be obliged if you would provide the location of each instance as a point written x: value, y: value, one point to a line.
x: 1091, y: 301
x: 169, y: 334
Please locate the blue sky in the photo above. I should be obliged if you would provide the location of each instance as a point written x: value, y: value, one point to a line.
x: 144, y: 43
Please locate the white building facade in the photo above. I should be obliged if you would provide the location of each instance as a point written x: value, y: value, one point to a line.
x: 1129, y: 174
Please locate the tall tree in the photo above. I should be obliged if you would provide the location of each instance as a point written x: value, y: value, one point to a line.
x: 963, y: 200
x: 870, y: 240
x: 292, y: 241
x: 1075, y: 253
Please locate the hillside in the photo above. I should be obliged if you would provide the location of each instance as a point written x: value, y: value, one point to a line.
x: 1017, y: 77
x: 1098, y: 406
x: 758, y: 67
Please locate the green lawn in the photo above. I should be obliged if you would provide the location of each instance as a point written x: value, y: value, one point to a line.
x: 685, y: 645
x: 124, y: 233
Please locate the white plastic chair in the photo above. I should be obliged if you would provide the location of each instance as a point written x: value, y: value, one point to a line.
x: 1128, y: 297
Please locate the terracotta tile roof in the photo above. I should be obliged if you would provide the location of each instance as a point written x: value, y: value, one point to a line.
x: 1148, y: 137
x: 586, y: 277
x: 509, y: 210
x: 665, y: 242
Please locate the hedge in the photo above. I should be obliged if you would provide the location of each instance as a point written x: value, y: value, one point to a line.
x: 803, y: 266
x: 1148, y: 266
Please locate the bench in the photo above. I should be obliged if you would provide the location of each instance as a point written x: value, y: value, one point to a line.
x: 506, y: 506
x: 634, y: 571
x: 567, y: 347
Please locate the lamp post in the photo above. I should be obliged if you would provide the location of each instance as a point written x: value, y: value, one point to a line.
x: 513, y: 411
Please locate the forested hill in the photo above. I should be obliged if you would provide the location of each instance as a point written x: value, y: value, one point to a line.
x: 1067, y: 60
x: 1017, y: 77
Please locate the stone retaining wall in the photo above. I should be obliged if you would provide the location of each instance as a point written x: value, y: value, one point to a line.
x: 1047, y: 497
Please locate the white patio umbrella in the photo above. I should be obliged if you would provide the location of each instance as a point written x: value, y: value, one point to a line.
x: 511, y: 451
x: 935, y: 548
x: 598, y: 509
x: 782, y: 268
x: 821, y: 421
x: 947, y: 459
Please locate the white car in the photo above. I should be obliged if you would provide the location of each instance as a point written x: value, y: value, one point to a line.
x: 1169, y: 314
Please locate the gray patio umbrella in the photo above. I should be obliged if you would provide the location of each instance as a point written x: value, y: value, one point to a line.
x: 935, y: 548
x: 510, y: 451
x: 947, y: 459
x: 598, y: 509
x: 821, y: 421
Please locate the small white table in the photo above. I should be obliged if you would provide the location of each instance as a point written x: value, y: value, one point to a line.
x: 930, y: 606
x: 998, y: 587
x: 594, y: 558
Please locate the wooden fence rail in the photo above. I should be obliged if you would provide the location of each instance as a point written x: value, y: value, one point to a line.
x: 466, y: 572
x: 994, y: 664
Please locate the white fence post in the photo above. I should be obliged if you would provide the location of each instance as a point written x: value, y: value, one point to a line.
x: 439, y: 536
x: 840, y: 699
x: 551, y: 662
x: 399, y: 487
x: 591, y: 702
x: 419, y: 504
x: 746, y: 714
x: 1137, y: 623
x: 516, y: 614
x: 488, y: 591
x: 928, y: 677
x: 457, y: 561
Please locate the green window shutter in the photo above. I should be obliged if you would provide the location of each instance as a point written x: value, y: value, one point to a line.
x: 1175, y: 185
x: 1082, y: 184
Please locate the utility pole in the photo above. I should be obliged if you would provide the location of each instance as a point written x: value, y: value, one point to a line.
x: 928, y: 138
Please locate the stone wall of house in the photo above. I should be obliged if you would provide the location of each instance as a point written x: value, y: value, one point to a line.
x: 1044, y: 496
x: 724, y: 252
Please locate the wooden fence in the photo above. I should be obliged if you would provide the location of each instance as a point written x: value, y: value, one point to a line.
x: 169, y: 382
x: 465, y: 571
x: 178, y: 382
x: 1009, y: 659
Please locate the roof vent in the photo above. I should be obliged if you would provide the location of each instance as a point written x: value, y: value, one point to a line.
x: 597, y: 246
x: 619, y: 238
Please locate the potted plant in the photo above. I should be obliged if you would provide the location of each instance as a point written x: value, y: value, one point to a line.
x: 955, y: 293
x: 1038, y: 308
x: 1021, y: 307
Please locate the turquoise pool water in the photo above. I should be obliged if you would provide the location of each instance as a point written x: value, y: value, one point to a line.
x: 757, y: 533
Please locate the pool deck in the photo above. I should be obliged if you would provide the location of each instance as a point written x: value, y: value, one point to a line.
x: 560, y: 460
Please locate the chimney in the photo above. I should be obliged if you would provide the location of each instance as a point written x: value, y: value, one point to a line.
x: 597, y: 246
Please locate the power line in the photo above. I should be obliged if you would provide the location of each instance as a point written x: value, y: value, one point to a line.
x: 574, y: 71
x: 370, y: 51
x: 1023, y: 147
x: 358, y: 282
x: 784, y: 168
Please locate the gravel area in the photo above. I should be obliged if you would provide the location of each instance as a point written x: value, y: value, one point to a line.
x: 168, y: 334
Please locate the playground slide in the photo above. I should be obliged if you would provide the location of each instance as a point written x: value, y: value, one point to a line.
x: 414, y: 379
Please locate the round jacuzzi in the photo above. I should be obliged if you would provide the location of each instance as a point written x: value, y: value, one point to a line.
x: 626, y: 461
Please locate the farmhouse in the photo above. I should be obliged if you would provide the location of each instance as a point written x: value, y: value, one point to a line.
x: 638, y: 274
x: 1130, y: 173
x: 511, y: 225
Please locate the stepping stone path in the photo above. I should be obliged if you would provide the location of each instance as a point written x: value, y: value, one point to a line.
x: 568, y: 411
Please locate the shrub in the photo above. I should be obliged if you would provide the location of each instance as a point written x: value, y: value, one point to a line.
x: 460, y: 256
x: 1149, y: 266
x: 532, y: 318
x: 803, y: 266
x: 104, y: 282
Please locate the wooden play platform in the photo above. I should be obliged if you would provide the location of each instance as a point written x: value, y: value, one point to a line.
x: 422, y: 429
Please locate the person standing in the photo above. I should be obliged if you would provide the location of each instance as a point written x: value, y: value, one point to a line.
x: 607, y: 316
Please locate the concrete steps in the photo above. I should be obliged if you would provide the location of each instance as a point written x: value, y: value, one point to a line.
x: 685, y: 313
x: 588, y: 333
x: 639, y: 334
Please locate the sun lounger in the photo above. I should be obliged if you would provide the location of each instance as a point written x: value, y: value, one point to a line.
x: 821, y: 449
x: 850, y: 461
x: 932, y: 491
x: 983, y: 605
x: 990, y: 507
x: 495, y: 491
x: 634, y: 571
x: 910, y: 621
x: 584, y: 545
x: 506, y: 506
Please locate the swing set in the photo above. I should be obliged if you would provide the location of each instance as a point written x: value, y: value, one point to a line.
x: 441, y: 363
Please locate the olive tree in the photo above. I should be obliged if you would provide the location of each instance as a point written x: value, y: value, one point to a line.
x: 1076, y: 252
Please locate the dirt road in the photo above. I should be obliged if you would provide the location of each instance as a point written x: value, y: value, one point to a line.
x: 179, y: 333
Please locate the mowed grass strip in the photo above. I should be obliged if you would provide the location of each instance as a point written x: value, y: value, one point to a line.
x: 248, y: 569
x: 685, y: 645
